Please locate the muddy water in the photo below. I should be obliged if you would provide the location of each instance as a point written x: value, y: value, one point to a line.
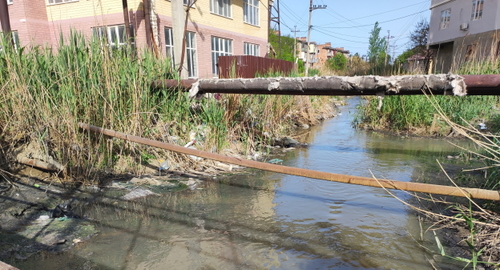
x: 263, y: 220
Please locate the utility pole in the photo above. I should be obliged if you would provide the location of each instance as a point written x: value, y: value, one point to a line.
x: 276, y: 19
x: 311, y: 8
x: 295, y: 43
x: 387, y: 45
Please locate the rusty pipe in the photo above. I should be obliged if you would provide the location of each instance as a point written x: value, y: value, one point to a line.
x: 334, y: 86
x: 349, y: 179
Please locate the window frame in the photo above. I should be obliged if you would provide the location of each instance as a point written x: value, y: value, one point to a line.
x: 251, y: 49
x: 220, y: 47
x: 169, y: 44
x: 191, y: 55
x: 251, y: 12
x: 52, y: 2
x: 15, y: 39
x: 113, y: 31
x: 445, y: 19
x: 10, y: 2
x: 477, y: 10
x: 221, y: 8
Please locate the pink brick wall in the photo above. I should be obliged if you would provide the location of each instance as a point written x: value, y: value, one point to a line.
x: 29, y: 19
x: 37, y: 30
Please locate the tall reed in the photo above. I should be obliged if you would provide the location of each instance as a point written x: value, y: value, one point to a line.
x: 45, y: 92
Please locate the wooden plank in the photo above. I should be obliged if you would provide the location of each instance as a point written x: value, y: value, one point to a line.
x: 5, y: 266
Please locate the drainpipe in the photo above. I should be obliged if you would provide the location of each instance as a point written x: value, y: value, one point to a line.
x: 5, y: 20
x: 126, y: 20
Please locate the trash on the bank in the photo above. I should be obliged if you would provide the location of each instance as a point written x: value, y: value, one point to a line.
x: 43, y: 217
x: 482, y: 126
x: 138, y: 193
x: 275, y: 161
x: 62, y: 218
x: 63, y: 210
x: 164, y: 166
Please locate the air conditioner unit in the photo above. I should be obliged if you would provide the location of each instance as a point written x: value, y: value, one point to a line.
x: 464, y: 26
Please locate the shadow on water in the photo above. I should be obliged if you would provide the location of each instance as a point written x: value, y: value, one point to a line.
x: 261, y: 220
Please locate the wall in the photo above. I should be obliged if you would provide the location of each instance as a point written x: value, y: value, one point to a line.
x: 461, y: 11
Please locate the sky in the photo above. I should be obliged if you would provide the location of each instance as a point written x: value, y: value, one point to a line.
x: 348, y: 23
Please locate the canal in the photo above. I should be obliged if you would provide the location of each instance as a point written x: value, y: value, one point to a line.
x: 262, y: 220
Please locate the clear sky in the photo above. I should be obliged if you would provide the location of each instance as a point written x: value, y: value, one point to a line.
x: 348, y: 23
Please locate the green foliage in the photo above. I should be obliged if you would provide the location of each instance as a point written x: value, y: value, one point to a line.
x: 338, y: 62
x: 377, y: 46
x: 405, y: 55
x: 46, y: 93
x: 283, y: 45
x: 410, y: 112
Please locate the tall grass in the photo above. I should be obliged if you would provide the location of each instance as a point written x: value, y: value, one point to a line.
x: 411, y: 113
x: 45, y: 92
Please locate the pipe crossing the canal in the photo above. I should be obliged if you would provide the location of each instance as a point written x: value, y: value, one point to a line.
x: 472, y: 193
x: 438, y: 84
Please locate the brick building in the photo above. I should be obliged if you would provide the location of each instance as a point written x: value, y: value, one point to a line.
x: 215, y: 27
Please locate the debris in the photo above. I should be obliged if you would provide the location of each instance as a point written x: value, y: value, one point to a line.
x: 63, y: 210
x: 482, y: 126
x: 145, y: 180
x: 275, y: 161
x: 137, y: 193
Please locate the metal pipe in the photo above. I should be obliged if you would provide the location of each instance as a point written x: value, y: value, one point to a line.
x: 365, y: 181
x: 439, y: 84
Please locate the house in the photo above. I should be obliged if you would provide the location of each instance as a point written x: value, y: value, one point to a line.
x: 303, y: 51
x: 463, y: 30
x: 326, y: 51
x: 214, y: 28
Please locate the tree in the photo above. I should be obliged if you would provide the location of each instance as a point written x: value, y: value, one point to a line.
x: 418, y: 38
x: 377, y: 47
x: 337, y: 62
x: 418, y: 45
x: 284, y: 50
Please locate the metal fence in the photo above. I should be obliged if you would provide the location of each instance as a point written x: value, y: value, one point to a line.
x: 247, y: 66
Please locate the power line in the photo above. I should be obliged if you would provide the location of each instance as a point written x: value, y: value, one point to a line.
x: 381, y: 22
x: 372, y: 15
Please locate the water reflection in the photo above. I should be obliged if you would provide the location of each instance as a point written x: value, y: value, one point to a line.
x: 263, y: 220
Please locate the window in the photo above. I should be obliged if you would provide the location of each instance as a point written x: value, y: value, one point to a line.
x: 445, y: 18
x: 477, y: 9
x: 220, y: 47
x: 15, y: 38
x: 221, y: 7
x: 190, y: 56
x: 192, y: 64
x: 51, y: 2
x: 251, y: 12
x: 250, y: 49
x: 169, y: 44
x: 187, y: 2
x: 115, y: 35
x: 9, y: 2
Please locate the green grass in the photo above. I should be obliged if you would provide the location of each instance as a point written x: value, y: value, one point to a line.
x: 47, y: 91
